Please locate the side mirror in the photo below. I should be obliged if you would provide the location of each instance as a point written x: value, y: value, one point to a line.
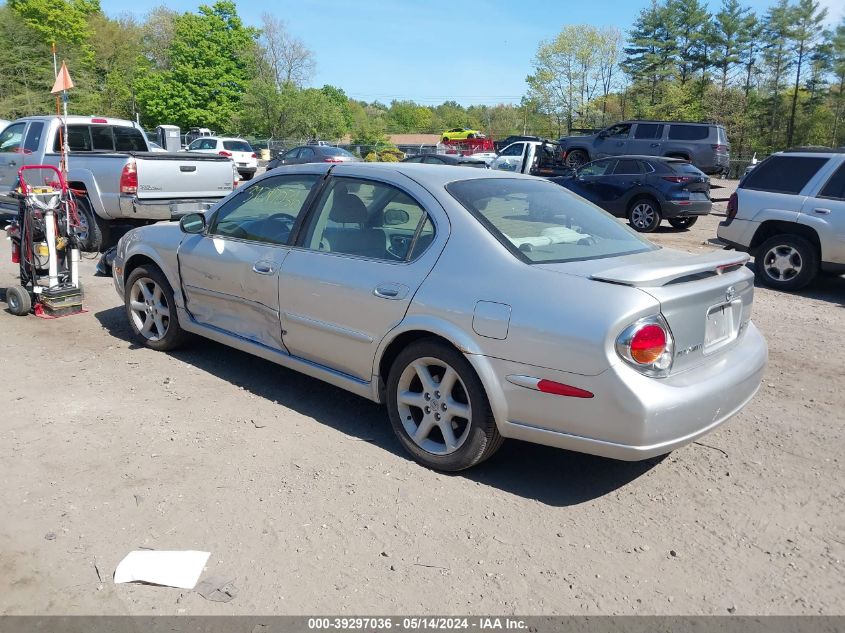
x: 395, y: 217
x: 193, y: 223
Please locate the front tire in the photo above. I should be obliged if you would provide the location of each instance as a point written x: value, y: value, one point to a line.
x: 438, y: 407
x: 18, y: 300
x: 644, y: 215
x: 683, y: 223
x: 786, y: 262
x: 151, y: 309
x: 576, y: 158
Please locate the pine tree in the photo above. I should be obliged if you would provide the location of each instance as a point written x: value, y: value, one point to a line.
x: 651, y: 48
x: 808, y: 19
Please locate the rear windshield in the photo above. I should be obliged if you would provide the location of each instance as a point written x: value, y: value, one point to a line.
x: 336, y: 151
x: 688, y: 132
x: 541, y: 222
x: 686, y: 168
x: 237, y: 146
x: 783, y: 174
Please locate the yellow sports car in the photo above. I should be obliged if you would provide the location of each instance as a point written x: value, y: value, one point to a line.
x: 459, y: 134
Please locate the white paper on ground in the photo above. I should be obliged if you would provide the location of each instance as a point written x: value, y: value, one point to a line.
x: 171, y: 569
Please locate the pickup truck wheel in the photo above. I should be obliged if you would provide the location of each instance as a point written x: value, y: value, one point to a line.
x: 438, y: 407
x: 683, y: 223
x: 576, y: 158
x: 786, y: 262
x: 643, y: 215
x: 152, y: 310
x: 92, y: 232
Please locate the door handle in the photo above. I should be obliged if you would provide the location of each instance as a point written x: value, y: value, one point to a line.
x: 636, y: 183
x: 263, y: 268
x: 822, y: 211
x: 655, y: 145
x: 391, y: 291
x: 11, y: 163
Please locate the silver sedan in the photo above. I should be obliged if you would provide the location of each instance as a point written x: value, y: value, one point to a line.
x: 477, y: 305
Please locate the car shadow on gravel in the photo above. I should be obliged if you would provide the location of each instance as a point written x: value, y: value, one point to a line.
x: 548, y: 475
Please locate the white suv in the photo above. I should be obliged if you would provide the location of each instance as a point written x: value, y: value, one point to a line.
x: 239, y: 150
x: 789, y: 213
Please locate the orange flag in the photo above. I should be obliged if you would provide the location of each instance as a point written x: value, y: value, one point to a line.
x: 63, y: 80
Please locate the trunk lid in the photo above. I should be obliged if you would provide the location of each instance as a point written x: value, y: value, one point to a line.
x: 183, y: 175
x: 706, y: 299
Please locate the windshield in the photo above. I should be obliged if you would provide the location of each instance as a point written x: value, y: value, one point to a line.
x: 237, y: 146
x: 541, y: 222
x: 336, y: 151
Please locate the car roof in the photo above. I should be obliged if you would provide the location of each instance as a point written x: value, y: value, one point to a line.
x: 814, y: 150
x: 670, y: 122
x: 220, y: 138
x: 76, y: 119
x: 662, y: 159
x: 430, y: 176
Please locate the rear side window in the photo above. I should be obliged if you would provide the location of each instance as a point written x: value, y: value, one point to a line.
x: 129, y: 139
x: 626, y: 166
x: 78, y: 139
x: 835, y: 187
x: 688, y: 132
x: 783, y: 174
x: 648, y: 130
x: 33, y: 136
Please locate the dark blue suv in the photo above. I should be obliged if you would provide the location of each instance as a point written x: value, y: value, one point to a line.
x: 643, y: 189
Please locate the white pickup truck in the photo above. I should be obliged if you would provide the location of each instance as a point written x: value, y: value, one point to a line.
x: 113, y: 173
x: 789, y: 213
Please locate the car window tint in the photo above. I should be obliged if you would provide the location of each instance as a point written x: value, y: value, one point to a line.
x: 597, y: 168
x: 291, y: 154
x: 783, y: 174
x: 264, y: 211
x: 688, y: 132
x: 365, y: 218
x: 414, y: 159
x: 433, y: 160
x: 619, y: 131
x: 835, y: 186
x: 539, y: 221
x: 306, y: 153
x: 102, y: 138
x: 129, y: 139
x: 237, y: 146
x: 194, y: 145
x: 626, y: 166
x: 648, y: 130
x: 686, y: 168
x: 513, y: 150
x: 78, y: 139
x: 33, y: 136
x: 10, y: 139
x: 337, y: 151
x: 209, y: 143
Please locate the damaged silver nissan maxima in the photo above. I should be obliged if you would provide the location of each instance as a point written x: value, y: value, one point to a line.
x: 477, y: 305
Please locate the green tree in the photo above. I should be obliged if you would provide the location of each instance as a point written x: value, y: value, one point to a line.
x: 651, y: 49
x: 63, y: 21
x: 808, y: 18
x: 688, y: 22
x: 211, y: 62
x: 729, y: 38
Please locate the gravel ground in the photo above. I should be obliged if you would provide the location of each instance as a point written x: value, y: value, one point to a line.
x: 304, y: 498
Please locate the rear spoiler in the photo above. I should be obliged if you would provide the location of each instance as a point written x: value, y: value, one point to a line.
x: 659, y: 273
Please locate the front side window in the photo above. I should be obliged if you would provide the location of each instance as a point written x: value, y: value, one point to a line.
x: 306, y: 153
x: 33, y: 136
x: 783, y: 174
x: 597, y: 168
x: 265, y: 211
x: 620, y: 130
x: 195, y: 145
x: 513, y: 150
x: 368, y: 219
x: 541, y: 222
x: 433, y: 160
x: 10, y: 139
x: 291, y: 154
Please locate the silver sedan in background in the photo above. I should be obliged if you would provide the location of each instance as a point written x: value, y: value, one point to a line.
x: 477, y: 305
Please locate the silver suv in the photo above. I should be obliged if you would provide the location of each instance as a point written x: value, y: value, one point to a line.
x: 789, y: 213
x: 705, y: 145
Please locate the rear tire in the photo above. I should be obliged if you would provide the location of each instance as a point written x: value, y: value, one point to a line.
x: 576, y: 158
x: 786, y: 262
x: 682, y: 223
x: 18, y: 300
x: 425, y: 413
x: 644, y: 215
x: 93, y: 233
x: 151, y: 310
x: 247, y: 176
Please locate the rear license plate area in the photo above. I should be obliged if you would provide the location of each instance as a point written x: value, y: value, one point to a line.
x: 722, y: 325
x: 698, y: 195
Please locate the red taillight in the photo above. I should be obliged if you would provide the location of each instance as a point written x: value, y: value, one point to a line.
x: 733, y: 206
x: 560, y: 389
x: 331, y: 159
x: 223, y: 152
x: 254, y: 155
x: 719, y: 148
x: 678, y: 179
x: 648, y: 343
x: 99, y: 120
x: 129, y: 178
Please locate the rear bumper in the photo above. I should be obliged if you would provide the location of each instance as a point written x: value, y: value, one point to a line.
x: 674, y: 209
x: 631, y: 416
x: 132, y: 207
x: 737, y: 232
x: 247, y: 170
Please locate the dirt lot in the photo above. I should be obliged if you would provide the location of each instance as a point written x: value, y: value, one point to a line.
x: 303, y: 496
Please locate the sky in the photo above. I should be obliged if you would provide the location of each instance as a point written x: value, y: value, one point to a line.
x: 430, y: 51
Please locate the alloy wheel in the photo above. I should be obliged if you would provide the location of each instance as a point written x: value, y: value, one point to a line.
x: 782, y: 263
x: 434, y: 406
x: 82, y: 229
x: 642, y: 215
x: 150, y: 312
